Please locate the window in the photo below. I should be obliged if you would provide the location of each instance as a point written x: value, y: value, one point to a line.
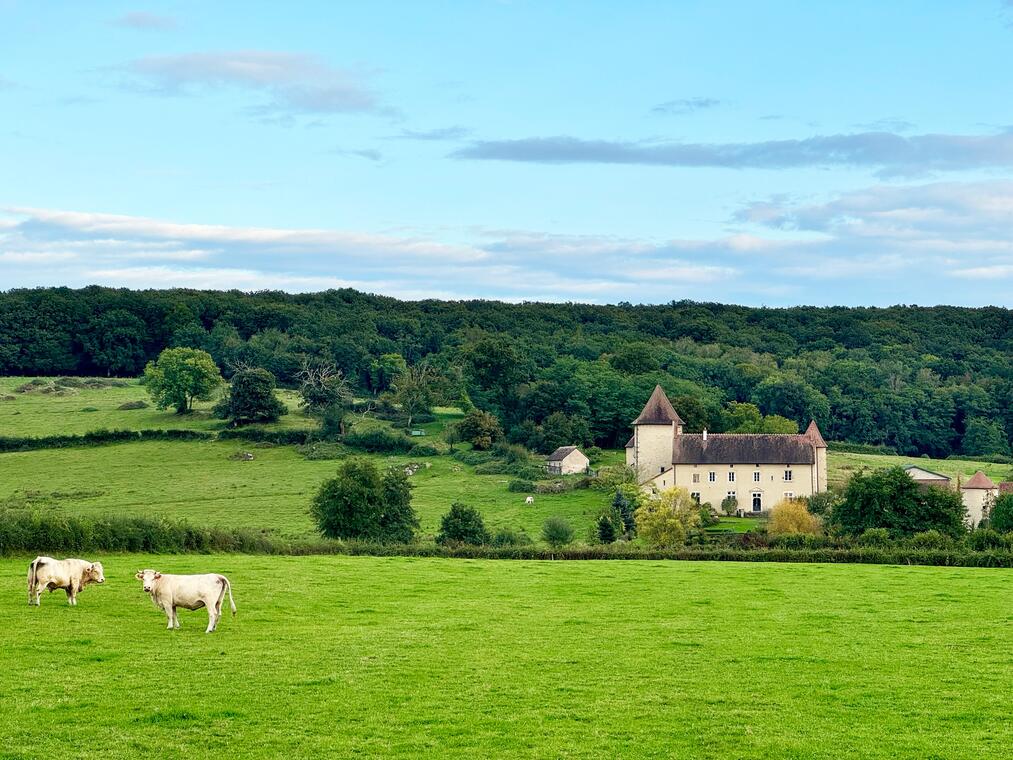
x: 756, y: 476
x: 731, y: 477
x: 789, y: 495
x: 787, y: 476
x: 712, y: 477
x: 662, y: 468
x: 757, y: 502
x: 730, y: 495
x: 696, y: 496
x: 696, y: 477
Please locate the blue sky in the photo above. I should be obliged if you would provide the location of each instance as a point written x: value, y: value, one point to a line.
x: 758, y: 153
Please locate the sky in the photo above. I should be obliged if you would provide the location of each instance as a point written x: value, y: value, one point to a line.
x: 775, y: 153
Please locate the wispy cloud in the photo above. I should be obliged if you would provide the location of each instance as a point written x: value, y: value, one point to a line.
x: 370, y: 154
x: 888, y: 153
x: 146, y: 21
x: 684, y: 106
x: 886, y: 125
x: 293, y: 82
x: 883, y: 244
x: 444, y: 133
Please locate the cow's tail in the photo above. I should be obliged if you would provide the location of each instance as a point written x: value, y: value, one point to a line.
x: 228, y: 587
x: 33, y: 570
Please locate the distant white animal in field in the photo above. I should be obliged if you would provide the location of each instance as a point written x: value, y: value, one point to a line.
x: 530, y: 500
x: 71, y: 575
x: 191, y: 592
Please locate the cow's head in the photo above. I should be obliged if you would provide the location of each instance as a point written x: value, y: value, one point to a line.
x: 148, y: 578
x: 96, y: 573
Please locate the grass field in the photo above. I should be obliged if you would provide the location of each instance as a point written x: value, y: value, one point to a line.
x: 198, y: 480
x: 394, y: 657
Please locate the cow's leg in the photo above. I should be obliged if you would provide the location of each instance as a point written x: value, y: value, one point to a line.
x: 212, y: 617
x: 37, y: 594
x: 175, y: 617
x: 70, y: 595
x: 170, y: 613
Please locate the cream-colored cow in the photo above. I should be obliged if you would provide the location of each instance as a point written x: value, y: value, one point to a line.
x: 191, y: 592
x: 71, y: 575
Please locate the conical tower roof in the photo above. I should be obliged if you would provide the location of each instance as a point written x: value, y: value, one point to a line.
x: 813, y: 434
x: 658, y: 410
x: 980, y: 480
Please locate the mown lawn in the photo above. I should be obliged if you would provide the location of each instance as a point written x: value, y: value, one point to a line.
x: 395, y: 657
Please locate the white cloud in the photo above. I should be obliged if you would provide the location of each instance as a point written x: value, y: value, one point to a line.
x: 293, y: 82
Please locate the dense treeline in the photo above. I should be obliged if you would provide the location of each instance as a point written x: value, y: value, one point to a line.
x: 934, y: 380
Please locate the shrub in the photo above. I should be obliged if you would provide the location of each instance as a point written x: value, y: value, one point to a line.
x: 707, y: 516
x: 792, y: 517
x: 462, y: 525
x: 555, y: 486
x: 626, y: 500
x: 472, y: 458
x: 986, y: 539
x: 521, y: 486
x: 510, y: 537
x: 131, y: 405
x: 1000, y: 517
x: 931, y: 539
x: 251, y: 399
x: 610, y: 478
x: 875, y: 537
x: 379, y: 439
x: 665, y: 521
x: 557, y: 532
x: 594, y: 453
x: 822, y: 504
x: 425, y: 450
x: 360, y: 503
x: 260, y: 435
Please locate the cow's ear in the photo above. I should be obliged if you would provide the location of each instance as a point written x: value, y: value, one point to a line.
x: 157, y: 576
x: 139, y: 575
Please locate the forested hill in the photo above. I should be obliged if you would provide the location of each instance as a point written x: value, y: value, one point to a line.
x: 933, y: 380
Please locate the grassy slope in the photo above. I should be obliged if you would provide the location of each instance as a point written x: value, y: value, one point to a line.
x: 405, y: 657
x: 40, y: 414
x: 198, y: 481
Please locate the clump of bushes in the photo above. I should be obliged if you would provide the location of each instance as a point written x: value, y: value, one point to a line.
x: 131, y: 405
x: 521, y: 486
x: 428, y: 449
x: 792, y: 516
x: 610, y: 478
x: 462, y: 525
x: 379, y: 439
x: 874, y: 537
x: 509, y: 537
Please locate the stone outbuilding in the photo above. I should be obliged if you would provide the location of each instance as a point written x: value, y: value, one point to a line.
x: 924, y: 477
x: 567, y: 460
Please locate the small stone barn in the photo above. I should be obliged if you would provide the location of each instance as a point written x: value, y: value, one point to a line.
x: 924, y: 477
x: 567, y: 460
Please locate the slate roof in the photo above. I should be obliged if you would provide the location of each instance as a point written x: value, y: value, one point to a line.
x: 561, y: 453
x: 742, y: 448
x: 979, y: 480
x: 658, y: 410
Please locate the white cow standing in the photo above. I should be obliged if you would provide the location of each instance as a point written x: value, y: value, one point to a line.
x: 530, y: 500
x: 71, y: 575
x: 191, y: 592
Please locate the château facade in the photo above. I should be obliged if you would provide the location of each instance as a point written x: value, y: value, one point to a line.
x: 757, y: 470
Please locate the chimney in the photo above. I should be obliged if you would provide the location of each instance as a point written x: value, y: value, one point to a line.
x: 705, y: 434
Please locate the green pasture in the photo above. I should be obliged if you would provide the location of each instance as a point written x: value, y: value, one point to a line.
x: 841, y: 466
x: 199, y: 481
x: 72, y: 411
x: 396, y: 657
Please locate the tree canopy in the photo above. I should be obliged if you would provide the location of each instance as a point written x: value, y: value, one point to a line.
x: 934, y: 381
